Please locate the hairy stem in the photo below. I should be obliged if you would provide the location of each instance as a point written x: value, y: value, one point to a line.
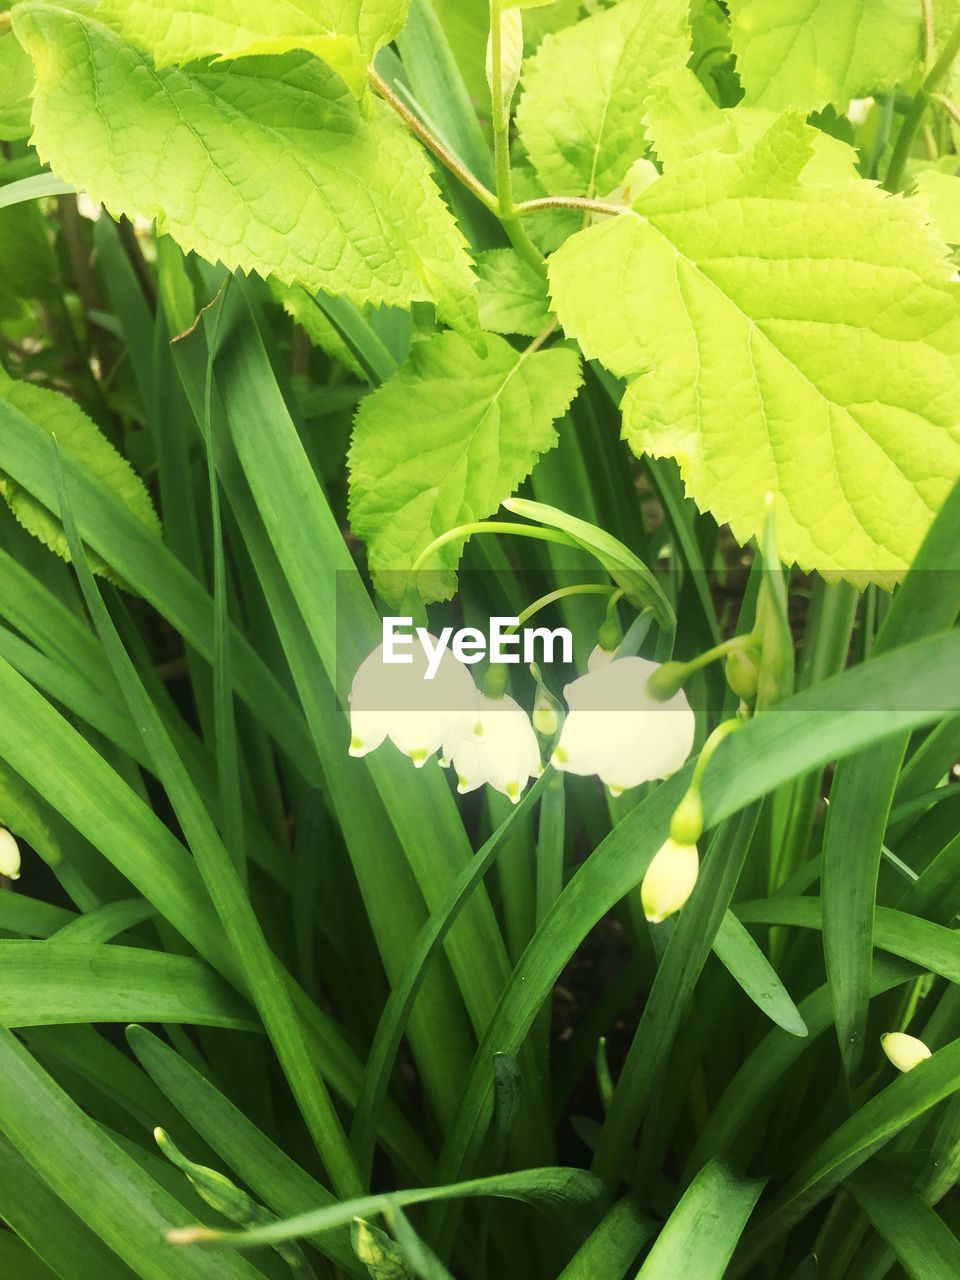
x: 583, y: 203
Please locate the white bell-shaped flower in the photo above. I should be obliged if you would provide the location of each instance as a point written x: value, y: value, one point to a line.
x: 671, y: 878
x: 617, y: 730
x: 506, y: 758
x: 600, y: 657
x: 905, y: 1052
x: 9, y: 855
x: 396, y: 701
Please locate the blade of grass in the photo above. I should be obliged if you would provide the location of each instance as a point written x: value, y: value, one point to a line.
x: 261, y: 972
x: 53, y: 982
x: 702, y: 1232
x: 925, y: 1246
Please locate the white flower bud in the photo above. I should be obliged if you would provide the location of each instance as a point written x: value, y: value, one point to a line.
x: 395, y: 701
x: 670, y: 880
x: 619, y: 731
x: 905, y: 1052
x: 546, y: 721
x: 9, y: 855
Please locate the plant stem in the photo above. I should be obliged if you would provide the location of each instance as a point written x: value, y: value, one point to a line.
x: 580, y: 589
x: 432, y: 142
x: 908, y: 130
x: 584, y: 203
x: 490, y: 526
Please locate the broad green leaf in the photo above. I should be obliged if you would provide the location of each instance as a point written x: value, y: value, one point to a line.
x: 28, y: 269
x: 682, y: 121
x: 511, y: 60
x: 444, y: 442
x: 512, y: 294
x: 320, y: 195
x: 344, y: 33
x: 798, y: 321
x: 939, y: 193
x: 583, y: 94
x: 82, y: 439
x: 16, y: 83
x: 806, y: 53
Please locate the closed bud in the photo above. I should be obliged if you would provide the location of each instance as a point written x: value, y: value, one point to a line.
x: 667, y: 681
x: 217, y: 1189
x: 743, y: 674
x: 546, y: 719
x: 495, y: 680
x: 9, y: 855
x: 670, y: 880
x: 686, y: 825
x: 378, y: 1253
x: 610, y: 633
x: 905, y: 1052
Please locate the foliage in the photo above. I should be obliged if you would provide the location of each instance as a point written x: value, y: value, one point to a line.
x: 635, y: 317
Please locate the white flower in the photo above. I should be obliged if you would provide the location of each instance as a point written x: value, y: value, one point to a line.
x: 600, y: 657
x: 9, y: 855
x: 670, y: 880
x: 395, y: 701
x: 905, y: 1052
x: 617, y: 730
x: 507, y: 757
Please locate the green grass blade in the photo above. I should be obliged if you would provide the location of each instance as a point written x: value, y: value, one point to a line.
x: 51, y: 982
x: 261, y: 972
x: 925, y: 1246
x: 613, y: 1246
x: 702, y: 1232
x: 752, y: 971
x: 106, y: 1189
x: 849, y: 1146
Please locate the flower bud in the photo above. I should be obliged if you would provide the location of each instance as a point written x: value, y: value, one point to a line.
x: 670, y: 880
x: 378, y: 1253
x: 743, y: 674
x: 610, y: 633
x: 9, y: 855
x: 546, y: 720
x: 905, y: 1052
x: 667, y: 681
x: 495, y: 680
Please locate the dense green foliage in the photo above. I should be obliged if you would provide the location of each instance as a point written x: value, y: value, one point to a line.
x: 640, y: 315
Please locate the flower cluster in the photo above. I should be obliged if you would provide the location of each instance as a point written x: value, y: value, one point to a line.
x: 615, y: 728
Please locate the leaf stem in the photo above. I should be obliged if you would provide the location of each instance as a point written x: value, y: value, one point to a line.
x: 584, y: 203
x: 561, y: 593
x: 908, y: 130
x: 433, y: 144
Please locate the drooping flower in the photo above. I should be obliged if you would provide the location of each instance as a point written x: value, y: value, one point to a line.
x: 618, y: 730
x: 506, y: 759
x: 600, y: 657
x: 9, y: 855
x: 396, y: 701
x: 905, y: 1052
x: 670, y: 880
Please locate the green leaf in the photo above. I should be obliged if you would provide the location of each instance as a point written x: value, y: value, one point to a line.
x: 682, y: 121
x: 45, y: 983
x: 806, y: 53
x: 344, y: 33
x: 925, y: 1245
x: 512, y: 294
x: 583, y: 94
x: 16, y: 84
x: 939, y: 193
x: 349, y: 205
x: 472, y: 429
x: 83, y: 441
x: 751, y: 969
x: 29, y: 269
x: 702, y: 1232
x: 798, y: 321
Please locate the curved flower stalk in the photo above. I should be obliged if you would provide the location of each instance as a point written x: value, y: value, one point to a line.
x: 9, y: 855
x: 395, y: 701
x: 507, y: 757
x: 618, y: 730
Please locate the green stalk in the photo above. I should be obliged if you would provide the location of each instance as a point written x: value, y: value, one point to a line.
x: 908, y: 130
